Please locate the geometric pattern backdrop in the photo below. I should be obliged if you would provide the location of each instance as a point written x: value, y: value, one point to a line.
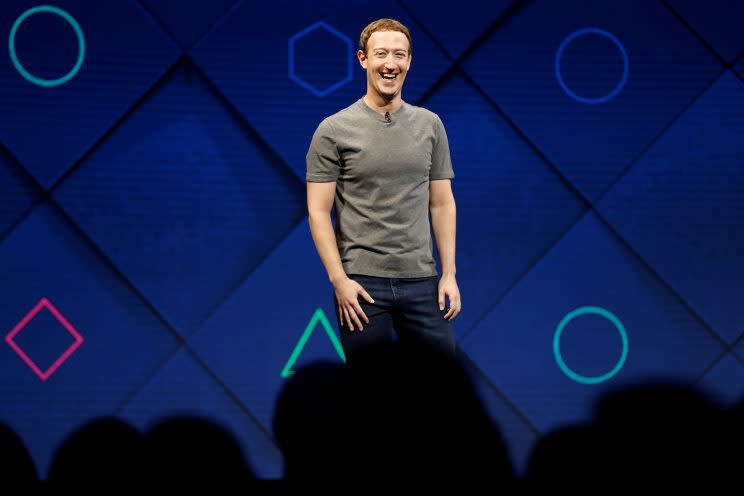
x: 154, y: 243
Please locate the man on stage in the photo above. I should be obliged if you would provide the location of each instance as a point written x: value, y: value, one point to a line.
x: 387, y: 165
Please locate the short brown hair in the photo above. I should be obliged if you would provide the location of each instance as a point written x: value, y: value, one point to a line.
x: 384, y: 24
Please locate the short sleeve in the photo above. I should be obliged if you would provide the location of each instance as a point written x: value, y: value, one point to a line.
x: 322, y: 160
x: 441, y: 162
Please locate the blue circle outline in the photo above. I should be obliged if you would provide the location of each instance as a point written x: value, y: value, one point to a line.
x: 559, y: 54
x: 557, y: 338
x: 81, y: 46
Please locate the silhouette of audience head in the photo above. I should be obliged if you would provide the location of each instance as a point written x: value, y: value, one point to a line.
x: 106, y: 452
x: 16, y: 464
x: 565, y: 455
x: 659, y: 431
x: 189, y: 450
x: 403, y: 415
x: 307, y: 425
x: 734, y: 440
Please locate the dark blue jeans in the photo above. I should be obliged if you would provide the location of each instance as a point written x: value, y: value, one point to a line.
x: 408, y: 306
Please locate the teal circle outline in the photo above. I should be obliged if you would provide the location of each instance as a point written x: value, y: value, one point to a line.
x: 557, y: 338
x: 81, y: 46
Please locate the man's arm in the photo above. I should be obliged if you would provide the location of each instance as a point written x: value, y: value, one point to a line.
x: 443, y: 220
x: 320, y: 198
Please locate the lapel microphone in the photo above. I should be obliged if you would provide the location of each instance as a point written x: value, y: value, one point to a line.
x: 387, y: 117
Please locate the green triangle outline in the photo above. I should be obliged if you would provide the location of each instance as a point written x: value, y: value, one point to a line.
x: 318, y: 315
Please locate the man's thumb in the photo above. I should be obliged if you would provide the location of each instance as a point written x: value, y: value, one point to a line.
x: 441, y: 301
x: 369, y: 298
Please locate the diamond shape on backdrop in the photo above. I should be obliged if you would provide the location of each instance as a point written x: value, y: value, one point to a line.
x: 456, y: 28
x: 511, y: 207
x: 52, y: 127
x: 589, y: 267
x: 249, y: 339
x: 250, y: 66
x: 682, y: 209
x: 56, y: 346
x: 183, y: 387
x: 188, y: 21
x: 196, y: 201
x: 717, y: 21
x: 517, y: 434
x: 725, y: 381
x: 124, y: 343
x: 17, y: 191
x: 592, y: 143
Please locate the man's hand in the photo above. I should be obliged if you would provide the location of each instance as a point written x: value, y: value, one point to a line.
x: 347, y: 294
x: 448, y: 287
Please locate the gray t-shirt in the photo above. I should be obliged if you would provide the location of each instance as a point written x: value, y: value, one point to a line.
x: 382, y: 171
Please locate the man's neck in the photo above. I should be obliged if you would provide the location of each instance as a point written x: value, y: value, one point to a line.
x: 382, y: 105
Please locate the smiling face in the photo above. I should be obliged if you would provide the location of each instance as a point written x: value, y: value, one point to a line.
x: 387, y: 62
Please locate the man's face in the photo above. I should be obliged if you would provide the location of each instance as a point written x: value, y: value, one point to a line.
x: 387, y: 53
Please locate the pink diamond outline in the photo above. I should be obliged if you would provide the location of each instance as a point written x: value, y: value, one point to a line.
x: 44, y: 302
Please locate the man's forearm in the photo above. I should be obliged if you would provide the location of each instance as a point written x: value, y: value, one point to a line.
x: 443, y: 222
x: 325, y: 242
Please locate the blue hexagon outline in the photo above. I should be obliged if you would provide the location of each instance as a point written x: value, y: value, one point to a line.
x: 308, y: 86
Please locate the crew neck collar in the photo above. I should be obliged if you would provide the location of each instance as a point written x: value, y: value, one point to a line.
x: 381, y: 117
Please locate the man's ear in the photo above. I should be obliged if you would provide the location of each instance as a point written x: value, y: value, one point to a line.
x: 362, y: 59
x: 410, y: 58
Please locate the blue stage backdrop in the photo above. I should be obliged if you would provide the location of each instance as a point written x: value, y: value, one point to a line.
x: 155, y: 252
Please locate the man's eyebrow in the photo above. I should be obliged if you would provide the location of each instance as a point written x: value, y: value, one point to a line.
x: 385, y: 49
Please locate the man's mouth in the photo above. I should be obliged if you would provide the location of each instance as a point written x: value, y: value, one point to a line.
x: 389, y: 77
